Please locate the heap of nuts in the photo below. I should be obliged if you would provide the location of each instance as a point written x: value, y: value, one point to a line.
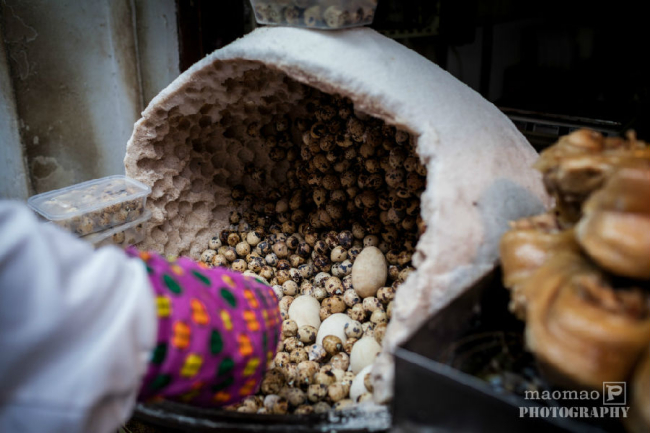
x: 335, y: 243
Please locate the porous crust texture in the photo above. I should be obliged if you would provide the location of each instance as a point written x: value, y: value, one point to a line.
x: 191, y: 147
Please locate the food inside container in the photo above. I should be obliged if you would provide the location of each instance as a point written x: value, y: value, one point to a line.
x: 123, y: 235
x: 578, y: 274
x: 285, y: 160
x: 315, y: 14
x: 93, y: 206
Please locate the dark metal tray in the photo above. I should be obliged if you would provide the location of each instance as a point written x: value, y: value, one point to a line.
x: 437, y: 372
x: 176, y: 417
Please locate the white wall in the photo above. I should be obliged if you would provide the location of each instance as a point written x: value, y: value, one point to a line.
x: 81, y: 72
x: 13, y: 176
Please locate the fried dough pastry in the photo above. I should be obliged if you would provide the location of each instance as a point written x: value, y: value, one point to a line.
x: 578, y: 274
x: 579, y: 164
x: 615, y: 228
x: 582, y: 330
x: 525, y: 247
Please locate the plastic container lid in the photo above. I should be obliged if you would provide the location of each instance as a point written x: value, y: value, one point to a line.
x: 99, y: 237
x: 87, y: 197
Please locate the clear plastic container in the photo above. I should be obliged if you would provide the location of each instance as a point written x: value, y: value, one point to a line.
x: 315, y: 14
x: 93, y: 206
x: 123, y: 236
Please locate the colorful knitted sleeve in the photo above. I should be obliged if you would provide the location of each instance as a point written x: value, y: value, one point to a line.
x: 217, y: 332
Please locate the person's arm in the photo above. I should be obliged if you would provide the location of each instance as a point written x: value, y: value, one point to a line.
x: 218, y: 331
x: 77, y: 329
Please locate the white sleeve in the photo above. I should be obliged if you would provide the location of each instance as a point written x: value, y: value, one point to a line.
x: 77, y: 327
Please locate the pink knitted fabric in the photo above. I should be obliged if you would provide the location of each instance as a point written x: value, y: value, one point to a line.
x: 217, y: 332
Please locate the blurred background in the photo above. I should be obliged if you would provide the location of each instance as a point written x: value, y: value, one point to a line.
x: 75, y: 75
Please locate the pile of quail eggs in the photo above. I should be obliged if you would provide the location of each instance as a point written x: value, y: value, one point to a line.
x: 335, y: 243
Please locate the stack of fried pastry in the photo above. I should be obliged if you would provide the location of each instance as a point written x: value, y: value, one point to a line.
x: 580, y: 275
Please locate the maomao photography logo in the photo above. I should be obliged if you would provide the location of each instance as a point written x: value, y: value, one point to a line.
x: 614, y: 394
x: 611, y: 403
